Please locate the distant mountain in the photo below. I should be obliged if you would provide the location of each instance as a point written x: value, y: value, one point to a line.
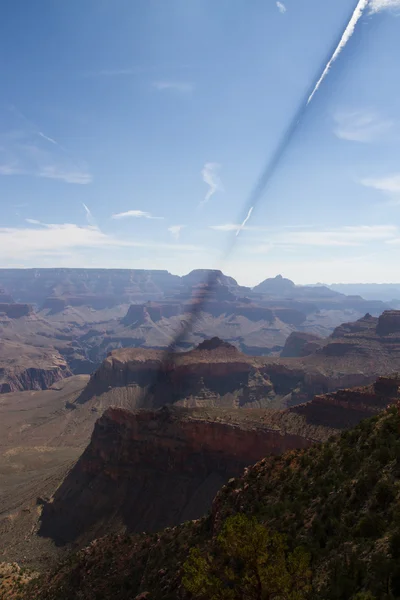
x: 387, y: 292
x: 276, y: 286
x: 86, y: 313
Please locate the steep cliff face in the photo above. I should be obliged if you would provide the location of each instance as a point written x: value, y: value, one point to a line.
x: 215, y: 373
x: 347, y: 407
x: 14, y: 310
x: 16, y: 380
x: 300, y: 343
x: 338, y: 501
x: 145, y: 470
x: 223, y: 376
x: 389, y: 323
x: 24, y: 367
x: 151, y: 469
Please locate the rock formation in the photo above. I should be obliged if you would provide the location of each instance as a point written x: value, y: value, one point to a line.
x: 147, y: 470
x: 24, y: 367
x: 215, y: 373
x: 276, y: 286
x: 300, y: 343
x: 14, y: 310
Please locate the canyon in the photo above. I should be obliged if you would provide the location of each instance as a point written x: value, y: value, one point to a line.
x: 86, y: 313
x: 149, y: 438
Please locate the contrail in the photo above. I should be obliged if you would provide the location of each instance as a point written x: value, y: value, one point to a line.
x: 49, y: 139
x: 348, y: 32
x: 89, y: 216
x: 269, y: 170
x: 239, y: 229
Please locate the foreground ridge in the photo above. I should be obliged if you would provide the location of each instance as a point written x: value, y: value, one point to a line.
x: 339, y: 501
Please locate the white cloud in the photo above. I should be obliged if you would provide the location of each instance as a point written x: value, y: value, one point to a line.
x: 56, y: 239
x: 136, y: 214
x: 281, y: 7
x: 174, y: 86
x: 348, y: 32
x: 348, y: 236
x: 226, y: 227
x: 361, y: 126
x: 212, y: 179
x: 33, y: 221
x: 340, y: 236
x: 389, y: 184
x: 63, y: 174
x: 175, y: 230
x: 25, y: 150
x: 20, y: 158
x: 344, y: 236
x: 378, y: 5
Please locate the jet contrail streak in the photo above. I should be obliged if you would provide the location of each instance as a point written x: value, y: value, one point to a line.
x: 239, y: 229
x: 348, y: 32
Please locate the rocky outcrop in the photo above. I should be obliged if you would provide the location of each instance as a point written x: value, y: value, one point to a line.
x: 31, y: 378
x: 215, y: 373
x: 221, y: 376
x: 300, y: 343
x: 140, y: 313
x: 147, y: 470
x: 15, y: 311
x: 55, y: 304
x: 25, y: 367
x: 389, y: 323
x: 209, y: 277
x: 276, y: 286
x: 346, y: 408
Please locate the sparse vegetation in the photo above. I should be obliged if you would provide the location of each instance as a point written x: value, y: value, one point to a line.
x: 325, y: 519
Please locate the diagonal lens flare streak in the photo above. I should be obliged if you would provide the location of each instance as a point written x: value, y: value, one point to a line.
x: 262, y: 185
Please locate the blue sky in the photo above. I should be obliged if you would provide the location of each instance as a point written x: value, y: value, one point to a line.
x: 132, y: 134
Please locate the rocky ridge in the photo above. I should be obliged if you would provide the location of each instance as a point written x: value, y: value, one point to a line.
x: 145, y: 470
x: 339, y: 501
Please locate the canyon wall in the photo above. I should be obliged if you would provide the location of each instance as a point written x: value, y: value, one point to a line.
x: 147, y: 470
x: 18, y: 380
x: 14, y: 310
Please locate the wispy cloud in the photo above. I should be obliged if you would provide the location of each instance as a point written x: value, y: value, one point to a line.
x: 25, y: 150
x: 48, y: 139
x: 348, y: 32
x: 378, y: 5
x: 212, y: 179
x: 55, y: 239
x: 243, y: 225
x: 347, y: 236
x: 182, y: 87
x: 135, y: 214
x: 89, y: 216
x: 33, y: 221
x: 390, y: 184
x: 361, y: 126
x: 226, y: 227
x: 175, y: 230
x: 281, y: 7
